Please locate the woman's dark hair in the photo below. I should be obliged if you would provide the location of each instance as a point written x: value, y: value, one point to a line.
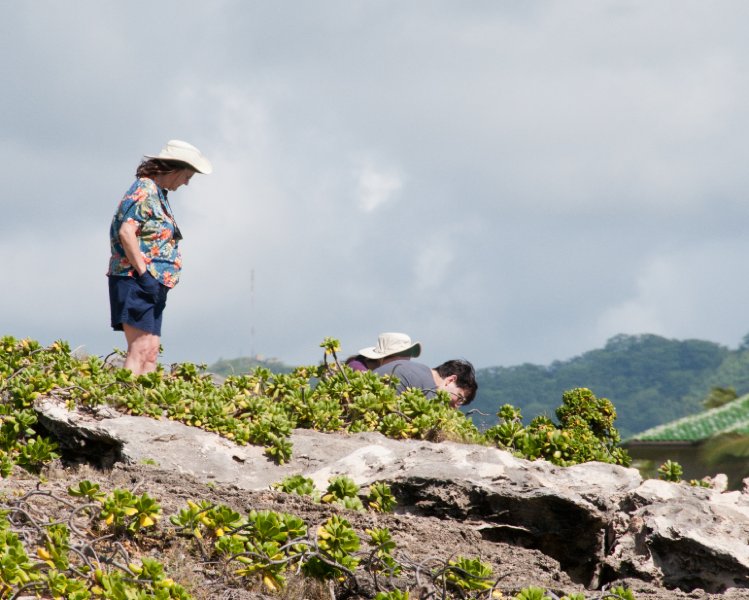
x: 370, y: 363
x: 152, y: 167
x: 465, y: 377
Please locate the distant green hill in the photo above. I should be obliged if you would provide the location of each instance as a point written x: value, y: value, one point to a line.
x: 245, y: 364
x: 650, y: 379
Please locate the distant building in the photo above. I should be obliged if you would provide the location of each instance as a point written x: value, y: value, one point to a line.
x: 683, y: 441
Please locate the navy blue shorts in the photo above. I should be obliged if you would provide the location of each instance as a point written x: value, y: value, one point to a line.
x: 138, y: 302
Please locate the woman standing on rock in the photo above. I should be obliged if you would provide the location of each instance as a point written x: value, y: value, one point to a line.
x: 145, y: 262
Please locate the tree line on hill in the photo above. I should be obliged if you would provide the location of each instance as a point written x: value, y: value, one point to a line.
x: 650, y: 380
x: 245, y: 364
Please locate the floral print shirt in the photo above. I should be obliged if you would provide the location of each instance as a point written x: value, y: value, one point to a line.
x: 146, y: 204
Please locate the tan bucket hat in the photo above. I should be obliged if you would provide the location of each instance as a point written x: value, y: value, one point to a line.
x: 186, y: 153
x: 392, y: 343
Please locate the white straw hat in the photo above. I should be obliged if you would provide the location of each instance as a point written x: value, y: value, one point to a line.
x: 392, y: 343
x: 186, y: 153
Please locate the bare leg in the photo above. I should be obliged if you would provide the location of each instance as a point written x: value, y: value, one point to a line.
x: 142, y: 350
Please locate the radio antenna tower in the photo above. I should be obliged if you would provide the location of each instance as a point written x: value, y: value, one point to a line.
x: 252, y: 312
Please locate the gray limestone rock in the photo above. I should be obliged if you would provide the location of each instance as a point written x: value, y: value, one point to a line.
x: 600, y: 522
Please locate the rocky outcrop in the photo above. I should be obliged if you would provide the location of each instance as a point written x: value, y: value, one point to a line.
x: 600, y: 522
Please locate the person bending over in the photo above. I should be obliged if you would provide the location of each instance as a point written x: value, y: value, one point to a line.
x: 456, y: 377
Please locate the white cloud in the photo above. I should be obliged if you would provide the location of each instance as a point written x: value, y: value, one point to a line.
x: 692, y: 292
x: 376, y: 186
x: 659, y: 300
x: 507, y: 182
x: 433, y: 264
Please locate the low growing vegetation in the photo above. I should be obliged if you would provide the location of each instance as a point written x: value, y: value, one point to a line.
x: 83, y: 553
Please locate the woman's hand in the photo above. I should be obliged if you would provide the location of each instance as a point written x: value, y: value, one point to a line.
x: 129, y: 239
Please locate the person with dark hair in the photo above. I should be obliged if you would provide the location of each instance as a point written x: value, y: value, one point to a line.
x: 389, y: 347
x: 359, y: 362
x: 145, y: 262
x: 456, y: 377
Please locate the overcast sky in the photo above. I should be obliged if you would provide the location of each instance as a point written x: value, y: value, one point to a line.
x: 506, y: 181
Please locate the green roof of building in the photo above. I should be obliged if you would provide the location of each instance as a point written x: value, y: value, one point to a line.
x: 731, y: 417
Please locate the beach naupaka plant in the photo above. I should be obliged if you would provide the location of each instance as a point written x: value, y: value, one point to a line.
x: 585, y: 432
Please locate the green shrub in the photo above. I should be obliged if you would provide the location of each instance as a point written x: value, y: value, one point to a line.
x: 585, y: 432
x: 670, y: 471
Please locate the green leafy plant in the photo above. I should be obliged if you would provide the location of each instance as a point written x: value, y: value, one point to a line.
x: 393, y: 595
x: 279, y: 449
x: 16, y: 568
x: 37, y: 452
x: 336, y: 541
x: 143, y: 581
x: 56, y: 547
x: 342, y: 490
x: 700, y: 483
x: 61, y: 586
x: 670, y: 471
x: 532, y: 593
x: 585, y: 432
x: 620, y: 593
x: 264, y: 545
x: 190, y: 520
x: 124, y: 511
x: 330, y: 345
x: 382, y: 559
x: 381, y: 498
x: 88, y: 490
x: 201, y: 519
x: 300, y: 485
x: 468, y: 574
